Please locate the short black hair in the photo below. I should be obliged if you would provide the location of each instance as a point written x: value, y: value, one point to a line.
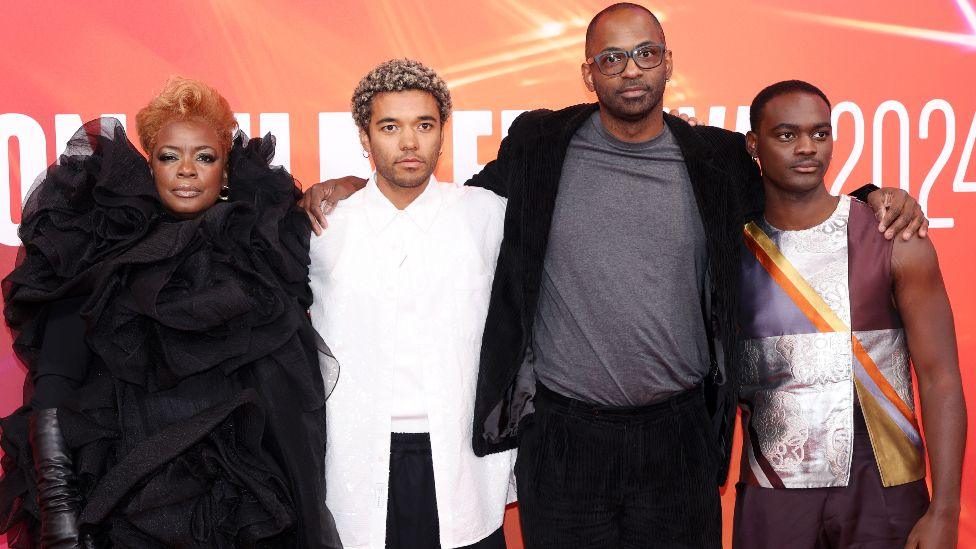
x: 775, y: 90
x: 619, y: 6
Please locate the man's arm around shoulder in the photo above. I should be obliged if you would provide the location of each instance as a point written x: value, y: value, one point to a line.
x: 495, y: 176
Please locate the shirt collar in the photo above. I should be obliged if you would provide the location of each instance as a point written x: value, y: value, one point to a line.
x: 380, y: 211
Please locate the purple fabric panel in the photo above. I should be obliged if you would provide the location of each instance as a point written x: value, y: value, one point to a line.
x: 869, y: 271
x: 765, y: 310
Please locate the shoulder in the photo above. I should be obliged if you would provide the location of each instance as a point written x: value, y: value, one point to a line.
x: 719, y: 139
x: 860, y: 209
x: 544, y: 121
x: 473, y: 222
x: 475, y: 202
x: 721, y: 136
x: 339, y: 219
x: 349, y: 207
x: 913, y: 257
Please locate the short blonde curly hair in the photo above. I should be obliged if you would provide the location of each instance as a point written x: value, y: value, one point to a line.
x: 398, y: 75
x: 186, y: 99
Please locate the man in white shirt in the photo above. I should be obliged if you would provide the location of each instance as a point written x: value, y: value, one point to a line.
x: 401, y: 282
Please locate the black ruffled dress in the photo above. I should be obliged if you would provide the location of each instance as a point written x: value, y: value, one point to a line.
x: 179, y: 354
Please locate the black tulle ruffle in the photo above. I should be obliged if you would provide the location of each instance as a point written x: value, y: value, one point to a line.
x: 206, y: 398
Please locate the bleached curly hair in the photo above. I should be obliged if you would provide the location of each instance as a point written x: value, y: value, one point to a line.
x: 398, y: 75
x: 186, y: 99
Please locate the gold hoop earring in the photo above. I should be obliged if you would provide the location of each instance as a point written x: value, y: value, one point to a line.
x: 365, y: 154
x: 224, y: 193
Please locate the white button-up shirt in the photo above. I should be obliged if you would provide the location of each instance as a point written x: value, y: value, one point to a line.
x: 401, y: 298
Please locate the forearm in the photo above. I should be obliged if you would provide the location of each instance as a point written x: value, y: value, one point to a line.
x: 51, y: 390
x: 496, y: 176
x: 64, y: 357
x: 944, y: 419
x: 351, y: 184
x: 490, y: 178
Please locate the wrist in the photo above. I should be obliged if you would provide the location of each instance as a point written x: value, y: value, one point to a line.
x: 862, y: 192
x: 948, y: 507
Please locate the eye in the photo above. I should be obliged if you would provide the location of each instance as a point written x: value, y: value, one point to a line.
x: 207, y: 158
x: 785, y: 136
x: 166, y: 157
x: 613, y: 57
x: 821, y: 135
x: 388, y: 128
x: 425, y: 126
x: 645, y: 53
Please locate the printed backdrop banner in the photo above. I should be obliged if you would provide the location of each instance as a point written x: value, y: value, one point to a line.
x: 901, y: 80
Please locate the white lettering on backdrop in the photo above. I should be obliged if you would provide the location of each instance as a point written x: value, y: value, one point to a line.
x: 341, y: 154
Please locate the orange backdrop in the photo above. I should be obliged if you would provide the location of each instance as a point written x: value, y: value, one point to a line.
x: 901, y: 78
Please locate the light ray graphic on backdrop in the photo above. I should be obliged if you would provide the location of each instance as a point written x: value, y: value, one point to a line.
x: 900, y: 77
x: 965, y: 7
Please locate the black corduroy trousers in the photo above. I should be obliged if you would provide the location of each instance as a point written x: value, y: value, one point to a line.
x: 592, y: 476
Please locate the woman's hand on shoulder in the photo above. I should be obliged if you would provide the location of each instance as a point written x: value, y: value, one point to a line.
x: 320, y: 199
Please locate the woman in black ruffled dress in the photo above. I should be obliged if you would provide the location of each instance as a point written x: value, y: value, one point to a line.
x: 174, y: 396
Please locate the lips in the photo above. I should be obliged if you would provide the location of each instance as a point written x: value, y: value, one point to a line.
x: 186, y: 191
x: 634, y: 91
x: 807, y: 166
x: 410, y: 162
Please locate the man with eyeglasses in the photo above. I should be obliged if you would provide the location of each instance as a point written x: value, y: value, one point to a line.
x: 609, y: 341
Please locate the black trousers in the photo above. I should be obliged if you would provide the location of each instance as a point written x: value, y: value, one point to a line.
x: 593, y: 476
x: 411, y: 512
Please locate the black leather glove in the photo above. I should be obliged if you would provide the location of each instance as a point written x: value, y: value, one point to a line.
x: 58, y: 499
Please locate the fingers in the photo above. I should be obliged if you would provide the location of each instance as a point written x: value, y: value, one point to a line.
x: 313, y: 222
x: 890, y: 209
x: 914, y: 225
x: 303, y: 204
x: 924, y: 231
x: 320, y: 210
x: 326, y: 204
x: 903, y: 222
x: 311, y: 202
x: 320, y: 215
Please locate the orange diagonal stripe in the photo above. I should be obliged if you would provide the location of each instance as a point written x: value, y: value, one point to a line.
x: 886, y: 389
x: 784, y: 282
x: 816, y: 309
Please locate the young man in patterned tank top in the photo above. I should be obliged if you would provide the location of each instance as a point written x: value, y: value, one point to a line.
x: 832, y: 452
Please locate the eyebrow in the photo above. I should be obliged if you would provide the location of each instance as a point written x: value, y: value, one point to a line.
x: 175, y: 148
x: 618, y: 48
x: 389, y: 119
x: 788, y: 126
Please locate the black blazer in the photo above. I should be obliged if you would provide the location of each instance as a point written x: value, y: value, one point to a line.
x: 727, y: 187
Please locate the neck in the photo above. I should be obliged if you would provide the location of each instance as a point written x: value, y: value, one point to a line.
x: 634, y: 131
x: 795, y: 211
x: 401, y: 197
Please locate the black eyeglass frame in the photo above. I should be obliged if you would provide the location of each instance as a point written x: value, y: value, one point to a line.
x: 632, y: 54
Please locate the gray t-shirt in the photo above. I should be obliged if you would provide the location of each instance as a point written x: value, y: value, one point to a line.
x: 620, y: 320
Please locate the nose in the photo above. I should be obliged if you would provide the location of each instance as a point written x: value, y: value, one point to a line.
x: 408, y: 140
x: 805, y: 146
x: 631, y: 70
x: 186, y: 168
